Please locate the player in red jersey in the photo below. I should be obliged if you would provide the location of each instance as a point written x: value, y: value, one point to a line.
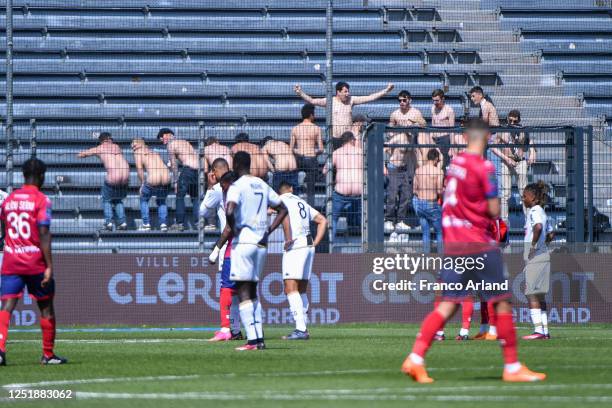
x: 26, y: 219
x: 470, y: 204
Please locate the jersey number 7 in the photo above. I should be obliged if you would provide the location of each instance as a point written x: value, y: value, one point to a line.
x: 261, y: 196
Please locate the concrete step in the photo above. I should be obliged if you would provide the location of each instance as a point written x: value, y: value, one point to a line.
x: 511, y: 68
x: 493, y: 46
x: 527, y: 80
x: 488, y: 36
x: 522, y: 90
x: 466, y: 15
x: 514, y: 57
x: 442, y: 4
x: 471, y: 19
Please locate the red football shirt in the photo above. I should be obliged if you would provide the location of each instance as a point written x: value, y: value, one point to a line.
x: 22, y: 212
x: 466, y: 224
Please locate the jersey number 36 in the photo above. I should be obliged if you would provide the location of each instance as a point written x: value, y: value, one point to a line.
x: 19, y: 225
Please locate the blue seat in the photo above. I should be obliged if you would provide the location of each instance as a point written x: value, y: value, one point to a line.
x: 556, y: 27
x: 542, y: 4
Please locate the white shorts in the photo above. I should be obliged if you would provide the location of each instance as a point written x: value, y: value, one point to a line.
x: 248, y: 261
x: 537, y: 275
x: 221, y: 257
x: 297, y: 263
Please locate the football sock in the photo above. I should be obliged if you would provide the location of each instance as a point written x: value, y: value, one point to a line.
x: 544, y: 317
x: 536, y: 319
x: 48, y: 335
x: 247, y: 315
x: 225, y: 302
x: 306, y: 304
x: 484, y: 317
x: 416, y: 359
x: 512, y: 368
x: 493, y: 330
x: 5, y: 319
x: 507, y: 337
x: 436, y: 304
x: 467, y: 307
x: 235, y: 314
x: 432, y: 323
x: 258, y: 313
x: 492, y: 314
x: 297, y: 310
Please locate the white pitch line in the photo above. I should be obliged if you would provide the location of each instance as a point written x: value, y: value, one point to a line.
x: 467, y: 388
x: 115, y: 341
x: 99, y: 381
x: 338, y: 397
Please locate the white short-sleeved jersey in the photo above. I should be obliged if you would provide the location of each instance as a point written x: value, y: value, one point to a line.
x: 213, y: 200
x: 536, y: 215
x: 300, y: 216
x: 252, y: 197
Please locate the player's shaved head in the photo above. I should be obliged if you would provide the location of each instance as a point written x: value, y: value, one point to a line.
x: 220, y: 164
x: 477, y: 135
x: 285, y: 187
x: 477, y: 130
x: 242, y: 162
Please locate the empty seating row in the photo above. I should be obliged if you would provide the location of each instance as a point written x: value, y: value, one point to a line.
x: 285, y: 23
x: 253, y: 110
x: 251, y: 66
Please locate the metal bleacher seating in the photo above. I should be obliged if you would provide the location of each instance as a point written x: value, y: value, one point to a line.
x: 131, y: 67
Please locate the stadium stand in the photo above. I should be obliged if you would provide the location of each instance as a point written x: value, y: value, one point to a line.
x: 130, y: 67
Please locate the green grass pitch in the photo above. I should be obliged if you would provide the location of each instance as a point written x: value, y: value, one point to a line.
x: 341, y: 366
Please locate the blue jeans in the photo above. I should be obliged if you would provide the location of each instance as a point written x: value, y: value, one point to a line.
x: 349, y: 206
x: 187, y: 184
x: 430, y: 214
x: 160, y: 193
x: 112, y: 197
x: 497, y: 162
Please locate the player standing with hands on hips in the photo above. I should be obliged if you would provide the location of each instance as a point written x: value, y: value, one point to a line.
x: 538, y: 234
x: 26, y: 221
x: 248, y: 199
x: 298, y: 258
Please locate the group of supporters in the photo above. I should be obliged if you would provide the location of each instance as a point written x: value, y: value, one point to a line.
x: 469, y: 219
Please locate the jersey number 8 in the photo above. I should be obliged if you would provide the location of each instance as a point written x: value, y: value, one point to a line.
x: 303, y: 212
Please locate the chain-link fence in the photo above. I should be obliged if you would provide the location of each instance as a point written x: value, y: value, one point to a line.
x: 406, y: 212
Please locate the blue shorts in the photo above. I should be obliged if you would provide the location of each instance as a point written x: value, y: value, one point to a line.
x: 226, y: 282
x: 486, y: 268
x: 12, y: 287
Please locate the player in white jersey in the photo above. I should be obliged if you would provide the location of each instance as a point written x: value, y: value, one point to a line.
x: 247, y: 203
x: 228, y: 299
x: 298, y: 258
x: 538, y: 234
